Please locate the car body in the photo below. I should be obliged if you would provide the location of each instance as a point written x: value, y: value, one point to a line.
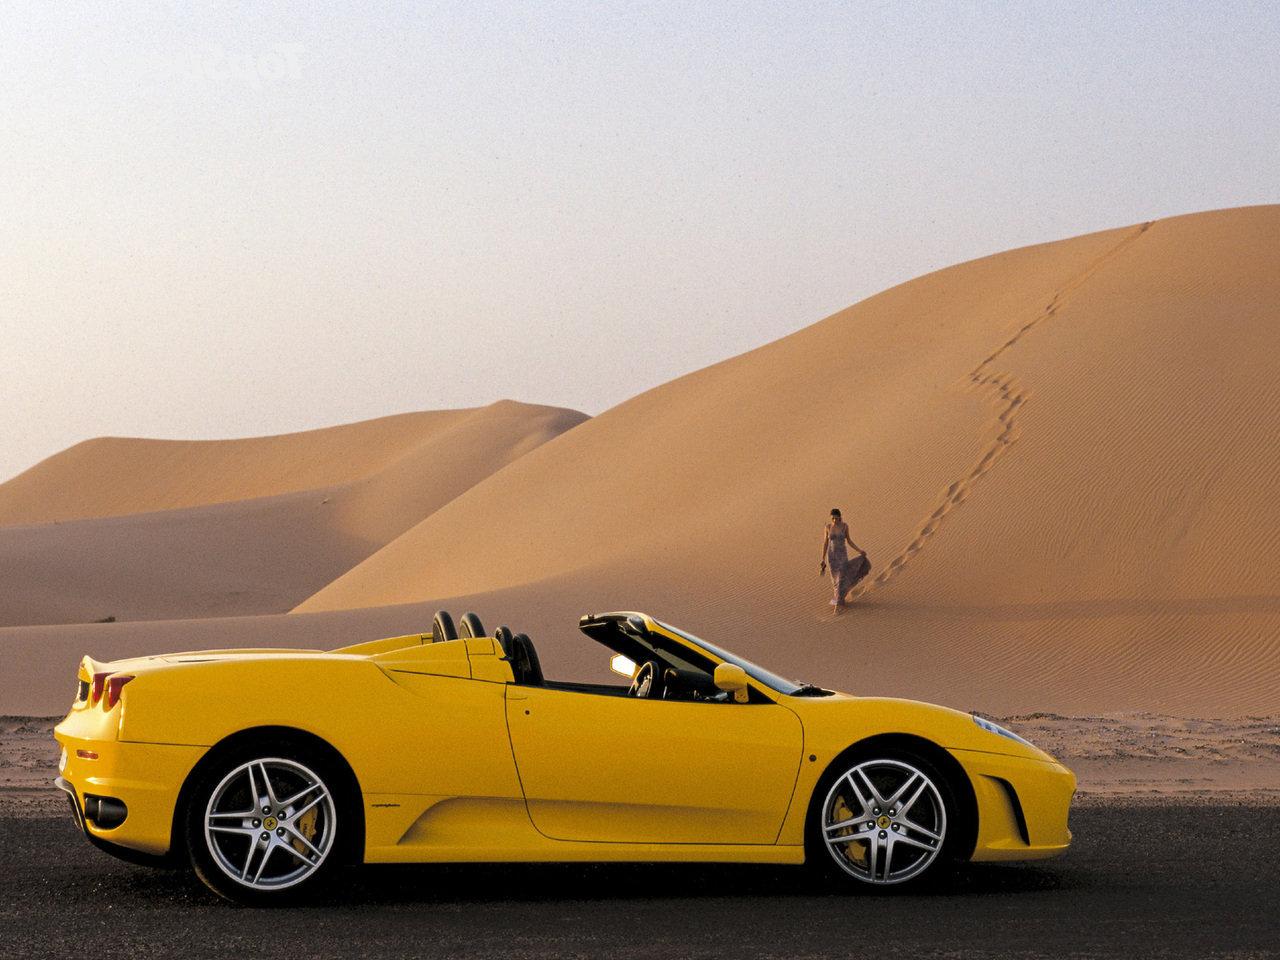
x: 428, y: 748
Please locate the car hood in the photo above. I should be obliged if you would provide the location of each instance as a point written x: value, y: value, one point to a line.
x: 949, y: 728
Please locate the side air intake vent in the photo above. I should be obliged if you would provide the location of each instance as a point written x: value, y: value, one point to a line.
x: 1018, y: 816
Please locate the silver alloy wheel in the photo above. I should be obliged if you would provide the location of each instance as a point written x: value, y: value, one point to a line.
x: 270, y: 812
x: 884, y: 821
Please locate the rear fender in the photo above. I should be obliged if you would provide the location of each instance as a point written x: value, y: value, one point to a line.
x: 398, y: 740
x: 233, y: 744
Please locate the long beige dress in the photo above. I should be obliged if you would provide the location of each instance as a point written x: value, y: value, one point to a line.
x: 838, y: 561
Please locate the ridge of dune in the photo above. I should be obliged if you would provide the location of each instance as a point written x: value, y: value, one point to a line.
x: 117, y: 476
x: 1061, y: 459
x: 143, y: 475
x: 143, y: 530
x: 719, y: 420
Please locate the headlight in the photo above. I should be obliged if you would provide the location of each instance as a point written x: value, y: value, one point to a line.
x: 995, y: 728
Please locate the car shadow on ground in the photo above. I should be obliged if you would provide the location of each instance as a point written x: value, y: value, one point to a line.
x: 535, y: 883
x: 540, y: 883
x: 460, y: 884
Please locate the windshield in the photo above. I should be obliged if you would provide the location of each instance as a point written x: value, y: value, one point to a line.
x: 756, y: 672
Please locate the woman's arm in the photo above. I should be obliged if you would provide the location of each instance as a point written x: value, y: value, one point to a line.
x: 826, y: 538
x: 849, y: 540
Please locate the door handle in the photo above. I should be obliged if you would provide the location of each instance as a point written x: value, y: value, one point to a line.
x: 517, y: 695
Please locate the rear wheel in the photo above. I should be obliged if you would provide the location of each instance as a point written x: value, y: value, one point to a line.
x: 268, y: 824
x: 883, y: 819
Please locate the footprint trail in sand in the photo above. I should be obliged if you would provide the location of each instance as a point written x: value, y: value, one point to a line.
x: 1008, y: 396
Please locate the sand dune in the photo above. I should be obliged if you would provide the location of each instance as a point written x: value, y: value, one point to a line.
x: 137, y: 475
x: 150, y: 529
x: 1061, y: 458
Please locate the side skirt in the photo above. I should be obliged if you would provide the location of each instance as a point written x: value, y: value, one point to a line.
x: 423, y: 829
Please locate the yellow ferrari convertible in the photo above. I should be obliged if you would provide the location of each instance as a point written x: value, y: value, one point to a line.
x: 267, y: 770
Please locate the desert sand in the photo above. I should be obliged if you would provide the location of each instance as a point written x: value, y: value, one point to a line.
x: 157, y: 529
x: 1062, y: 459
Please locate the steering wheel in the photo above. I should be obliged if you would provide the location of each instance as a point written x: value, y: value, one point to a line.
x: 645, y: 684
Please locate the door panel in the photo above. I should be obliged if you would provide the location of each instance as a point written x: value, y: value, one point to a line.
x: 604, y: 768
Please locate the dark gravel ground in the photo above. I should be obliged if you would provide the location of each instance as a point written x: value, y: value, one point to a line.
x: 1160, y: 881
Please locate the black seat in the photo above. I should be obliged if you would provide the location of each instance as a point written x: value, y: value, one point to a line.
x: 522, y: 656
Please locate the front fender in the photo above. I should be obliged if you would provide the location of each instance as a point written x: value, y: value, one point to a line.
x: 835, y: 723
x: 832, y: 725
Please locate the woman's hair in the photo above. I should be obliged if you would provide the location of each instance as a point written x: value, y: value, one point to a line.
x: 835, y: 512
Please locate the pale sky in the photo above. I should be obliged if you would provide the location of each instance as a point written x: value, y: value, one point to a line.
x: 226, y: 219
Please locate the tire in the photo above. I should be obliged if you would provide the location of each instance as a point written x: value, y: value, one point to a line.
x: 442, y: 628
x: 883, y: 819
x: 470, y: 626
x: 286, y: 847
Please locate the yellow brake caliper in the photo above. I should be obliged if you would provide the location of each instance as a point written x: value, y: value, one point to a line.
x: 855, y: 851
x: 306, y: 826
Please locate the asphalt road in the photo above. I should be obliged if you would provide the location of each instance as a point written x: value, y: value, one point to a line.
x: 1140, y: 881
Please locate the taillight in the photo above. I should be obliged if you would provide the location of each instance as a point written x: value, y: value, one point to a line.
x: 114, y: 686
x: 99, y: 684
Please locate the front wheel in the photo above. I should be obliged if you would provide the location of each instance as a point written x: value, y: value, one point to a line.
x: 883, y: 820
x: 263, y: 826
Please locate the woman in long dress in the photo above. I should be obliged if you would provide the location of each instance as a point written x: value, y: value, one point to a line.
x: 835, y: 556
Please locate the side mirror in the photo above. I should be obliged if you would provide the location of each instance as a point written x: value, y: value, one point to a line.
x: 624, y: 666
x: 732, y: 679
